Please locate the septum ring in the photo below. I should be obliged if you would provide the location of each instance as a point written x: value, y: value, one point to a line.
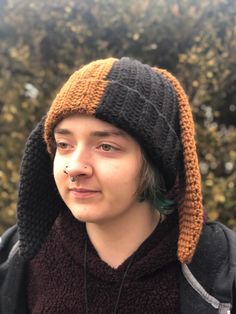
x: 72, y: 178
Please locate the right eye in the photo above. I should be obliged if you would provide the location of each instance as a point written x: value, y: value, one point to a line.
x: 62, y: 145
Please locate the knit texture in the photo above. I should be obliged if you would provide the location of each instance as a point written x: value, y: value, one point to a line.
x: 150, y: 104
x: 56, y: 278
x: 81, y: 94
x: 190, y: 207
x: 38, y: 199
x: 131, y: 96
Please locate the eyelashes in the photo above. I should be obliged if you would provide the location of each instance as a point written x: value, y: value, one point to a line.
x: 108, y: 148
x: 62, y: 145
x: 104, y: 147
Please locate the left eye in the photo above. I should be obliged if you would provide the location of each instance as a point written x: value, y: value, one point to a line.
x: 62, y: 145
x: 107, y: 147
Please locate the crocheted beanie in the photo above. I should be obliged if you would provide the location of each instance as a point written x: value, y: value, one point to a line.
x: 149, y: 104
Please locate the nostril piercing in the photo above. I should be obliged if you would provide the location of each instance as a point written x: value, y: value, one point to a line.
x: 65, y: 170
x: 73, y: 179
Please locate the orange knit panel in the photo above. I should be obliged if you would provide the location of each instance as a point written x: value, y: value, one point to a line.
x: 82, y: 93
x: 190, y: 208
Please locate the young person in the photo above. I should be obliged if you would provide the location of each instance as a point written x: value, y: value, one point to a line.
x: 110, y: 215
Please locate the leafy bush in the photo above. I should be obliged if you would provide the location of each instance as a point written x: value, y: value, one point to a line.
x: 43, y: 42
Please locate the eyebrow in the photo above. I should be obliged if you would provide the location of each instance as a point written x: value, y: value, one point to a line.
x: 104, y: 133
x: 62, y: 131
x: 107, y: 133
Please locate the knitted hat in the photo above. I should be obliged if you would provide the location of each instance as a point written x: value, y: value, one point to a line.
x: 149, y: 104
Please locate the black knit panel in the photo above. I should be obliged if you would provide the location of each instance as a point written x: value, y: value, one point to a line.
x: 143, y: 103
x: 38, y: 200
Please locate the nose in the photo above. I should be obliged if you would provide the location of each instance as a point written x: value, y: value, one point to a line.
x: 79, y: 171
x: 79, y: 165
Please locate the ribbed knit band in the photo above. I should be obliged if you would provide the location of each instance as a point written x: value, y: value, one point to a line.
x: 150, y: 105
x: 190, y: 207
x: 131, y: 96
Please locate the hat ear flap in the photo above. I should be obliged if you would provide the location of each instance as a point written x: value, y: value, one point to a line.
x: 38, y: 199
x: 190, y: 207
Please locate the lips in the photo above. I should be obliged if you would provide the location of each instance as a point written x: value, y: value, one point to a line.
x: 83, y: 193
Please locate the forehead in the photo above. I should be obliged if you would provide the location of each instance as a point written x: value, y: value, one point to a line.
x: 81, y: 122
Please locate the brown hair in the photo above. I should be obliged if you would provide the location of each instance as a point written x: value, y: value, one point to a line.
x: 150, y: 180
x: 152, y: 188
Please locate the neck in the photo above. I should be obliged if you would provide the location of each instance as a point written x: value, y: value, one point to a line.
x: 116, y: 240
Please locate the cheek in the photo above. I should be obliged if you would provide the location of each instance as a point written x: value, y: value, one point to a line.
x: 122, y: 174
x: 58, y: 168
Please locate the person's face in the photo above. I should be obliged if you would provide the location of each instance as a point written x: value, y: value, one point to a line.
x: 106, y: 163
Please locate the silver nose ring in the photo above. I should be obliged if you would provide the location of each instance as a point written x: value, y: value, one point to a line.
x: 72, y: 178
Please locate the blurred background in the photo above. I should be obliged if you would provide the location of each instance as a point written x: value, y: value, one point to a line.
x: 43, y: 42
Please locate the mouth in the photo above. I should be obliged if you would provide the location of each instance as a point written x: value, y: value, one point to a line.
x: 83, y: 193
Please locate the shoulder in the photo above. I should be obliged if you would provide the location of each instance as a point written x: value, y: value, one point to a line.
x: 212, y: 270
x: 214, y: 262
x: 12, y: 270
x: 216, y: 248
x: 217, y: 241
x: 8, y: 248
x: 216, y: 228
x: 8, y: 243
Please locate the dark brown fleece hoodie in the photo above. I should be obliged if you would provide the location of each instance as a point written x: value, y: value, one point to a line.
x: 56, y: 274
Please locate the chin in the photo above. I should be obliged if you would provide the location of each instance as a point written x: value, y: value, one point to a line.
x: 84, y: 215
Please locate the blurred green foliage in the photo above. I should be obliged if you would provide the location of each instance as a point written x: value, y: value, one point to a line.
x: 43, y: 42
